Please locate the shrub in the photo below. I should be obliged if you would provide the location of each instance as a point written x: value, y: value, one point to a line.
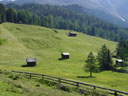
x: 2, y: 41
x: 48, y: 83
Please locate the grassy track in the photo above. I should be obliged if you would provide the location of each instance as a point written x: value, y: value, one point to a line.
x: 25, y: 41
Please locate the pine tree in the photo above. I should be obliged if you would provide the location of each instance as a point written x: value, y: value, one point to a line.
x: 104, y: 58
x: 0, y: 19
x: 50, y: 21
x: 10, y: 15
x: 90, y: 65
x: 122, y: 52
x: 2, y: 13
x: 92, y: 33
x: 45, y: 23
x: 122, y: 49
x: 109, y: 60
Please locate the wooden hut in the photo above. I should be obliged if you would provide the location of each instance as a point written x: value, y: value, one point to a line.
x: 119, y: 62
x: 65, y: 55
x: 72, y: 34
x: 31, y: 61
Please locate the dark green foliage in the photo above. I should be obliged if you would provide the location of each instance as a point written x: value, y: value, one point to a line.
x: 19, y: 16
x: 90, y: 65
x: 104, y: 59
x: 11, y: 15
x: 2, y: 41
x: 14, y: 77
x: 2, y: 13
x: 92, y: 31
x: 122, y: 49
x: 22, y: 16
x: 48, y: 21
x: 122, y: 52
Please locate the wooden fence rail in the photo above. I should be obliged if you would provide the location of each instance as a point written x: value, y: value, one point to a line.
x: 71, y: 82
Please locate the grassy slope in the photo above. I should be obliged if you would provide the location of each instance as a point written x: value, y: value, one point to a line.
x: 16, y: 85
x: 25, y: 41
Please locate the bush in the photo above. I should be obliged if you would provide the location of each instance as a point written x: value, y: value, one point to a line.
x: 15, y: 76
x: 48, y: 83
x: 2, y: 41
x: 4, y: 72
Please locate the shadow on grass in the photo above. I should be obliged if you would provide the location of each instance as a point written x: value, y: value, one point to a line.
x: 62, y: 59
x: 121, y: 70
x: 85, y: 77
x: 26, y: 66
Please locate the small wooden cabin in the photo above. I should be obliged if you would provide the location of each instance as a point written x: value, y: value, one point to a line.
x: 31, y: 62
x: 119, y: 61
x: 65, y: 55
x: 20, y: 22
x: 72, y: 34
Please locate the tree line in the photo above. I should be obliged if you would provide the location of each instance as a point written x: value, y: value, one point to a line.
x: 18, y: 16
x: 61, y: 17
x: 73, y: 18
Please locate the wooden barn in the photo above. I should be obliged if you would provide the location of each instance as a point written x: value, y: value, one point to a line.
x: 31, y: 62
x: 65, y: 55
x: 72, y: 34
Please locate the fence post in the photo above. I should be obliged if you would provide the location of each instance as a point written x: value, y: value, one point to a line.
x: 30, y: 75
x: 115, y: 94
x: 94, y: 87
x: 59, y: 80
x: 77, y: 84
x: 42, y: 76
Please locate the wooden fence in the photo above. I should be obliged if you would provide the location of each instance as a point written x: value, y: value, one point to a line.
x: 71, y: 82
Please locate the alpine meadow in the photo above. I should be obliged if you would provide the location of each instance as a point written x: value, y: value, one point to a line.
x: 63, y: 42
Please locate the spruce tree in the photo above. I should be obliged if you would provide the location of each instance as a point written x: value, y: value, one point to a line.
x: 90, y: 65
x: 2, y: 13
x: 109, y: 60
x: 122, y: 52
x: 92, y: 33
x: 50, y: 21
x: 0, y: 19
x: 104, y: 58
x: 10, y: 15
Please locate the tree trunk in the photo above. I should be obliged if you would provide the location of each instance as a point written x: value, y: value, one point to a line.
x: 90, y: 74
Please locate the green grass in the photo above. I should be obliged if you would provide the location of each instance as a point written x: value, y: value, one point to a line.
x: 17, y: 85
x: 24, y: 41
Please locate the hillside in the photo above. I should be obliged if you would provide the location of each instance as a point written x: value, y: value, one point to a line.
x: 25, y: 41
x: 46, y: 45
x: 17, y: 85
x: 70, y: 17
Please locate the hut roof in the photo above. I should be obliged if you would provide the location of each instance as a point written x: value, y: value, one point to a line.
x: 65, y: 53
x: 73, y: 32
x: 119, y: 60
x: 31, y: 60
